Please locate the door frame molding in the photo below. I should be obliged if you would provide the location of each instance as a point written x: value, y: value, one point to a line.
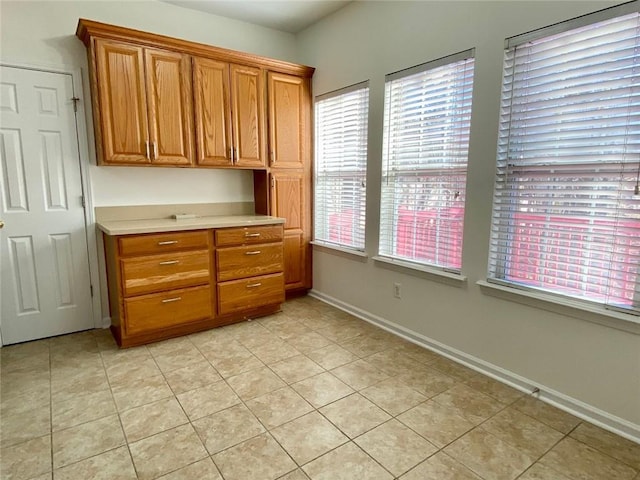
x: 84, y: 162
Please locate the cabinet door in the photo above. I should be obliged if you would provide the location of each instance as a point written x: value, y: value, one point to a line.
x: 288, y: 200
x: 288, y: 120
x: 170, y: 107
x: 212, y: 112
x: 123, y: 105
x: 247, y: 105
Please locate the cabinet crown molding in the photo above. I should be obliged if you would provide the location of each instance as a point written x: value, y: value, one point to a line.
x: 88, y: 29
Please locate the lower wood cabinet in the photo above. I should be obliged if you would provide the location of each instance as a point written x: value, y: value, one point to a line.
x: 170, y: 284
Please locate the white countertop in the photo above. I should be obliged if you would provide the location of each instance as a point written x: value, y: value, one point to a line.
x: 153, y: 225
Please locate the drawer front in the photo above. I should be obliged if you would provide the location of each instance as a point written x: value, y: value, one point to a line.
x: 164, y: 272
x: 163, y: 242
x: 160, y: 310
x: 249, y: 261
x: 238, y: 295
x: 248, y: 235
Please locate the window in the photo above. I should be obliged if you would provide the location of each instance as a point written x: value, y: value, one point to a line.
x: 566, y: 215
x: 424, y: 171
x: 341, y: 166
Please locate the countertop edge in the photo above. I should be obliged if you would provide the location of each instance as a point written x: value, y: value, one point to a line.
x: 133, y: 227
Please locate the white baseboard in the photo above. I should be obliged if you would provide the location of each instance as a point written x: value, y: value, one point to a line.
x: 582, y: 410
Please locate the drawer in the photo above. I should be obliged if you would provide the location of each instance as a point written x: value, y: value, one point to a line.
x: 160, y: 310
x: 248, y: 235
x: 163, y: 242
x: 238, y: 295
x: 248, y: 261
x: 165, y: 272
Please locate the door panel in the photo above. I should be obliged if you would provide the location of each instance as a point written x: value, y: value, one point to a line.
x: 212, y: 112
x: 294, y: 259
x: 246, y: 107
x: 123, y: 112
x: 44, y: 283
x: 288, y: 201
x: 287, y: 120
x: 170, y: 116
x: 54, y: 182
x: 15, y: 185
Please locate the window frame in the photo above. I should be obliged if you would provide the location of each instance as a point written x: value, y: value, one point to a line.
x: 499, y: 262
x: 388, y: 230
x: 359, y: 174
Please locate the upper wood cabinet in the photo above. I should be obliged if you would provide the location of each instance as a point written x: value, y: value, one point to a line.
x: 169, y: 99
x: 288, y: 113
x: 121, y: 113
x: 144, y: 105
x: 164, y: 101
x: 228, y: 101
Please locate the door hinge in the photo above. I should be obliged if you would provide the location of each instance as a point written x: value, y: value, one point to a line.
x: 91, y: 290
x: 273, y: 182
x: 75, y: 101
x: 84, y: 204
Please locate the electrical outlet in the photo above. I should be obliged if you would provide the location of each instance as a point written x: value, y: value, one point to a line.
x: 397, y: 290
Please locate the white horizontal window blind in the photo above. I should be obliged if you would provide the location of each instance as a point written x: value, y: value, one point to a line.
x: 426, y: 144
x: 566, y: 215
x: 341, y: 166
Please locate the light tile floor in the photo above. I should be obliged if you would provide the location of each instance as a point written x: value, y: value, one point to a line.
x: 310, y: 392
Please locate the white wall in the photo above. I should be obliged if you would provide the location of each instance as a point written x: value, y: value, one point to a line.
x: 43, y: 34
x: 591, y: 363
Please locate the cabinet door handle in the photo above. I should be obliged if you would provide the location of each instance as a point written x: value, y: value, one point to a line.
x: 231, y: 154
x: 146, y: 145
x: 253, y: 285
x: 174, y: 299
x: 168, y: 242
x: 254, y: 252
x: 155, y: 150
x: 251, y: 234
x: 170, y: 262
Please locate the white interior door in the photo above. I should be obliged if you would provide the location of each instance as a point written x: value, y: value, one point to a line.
x: 44, y: 268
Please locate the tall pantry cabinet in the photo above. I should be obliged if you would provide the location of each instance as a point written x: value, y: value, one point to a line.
x: 161, y: 101
x: 289, y: 119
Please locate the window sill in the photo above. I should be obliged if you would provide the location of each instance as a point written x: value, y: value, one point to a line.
x: 336, y: 249
x: 594, y: 314
x: 422, y: 271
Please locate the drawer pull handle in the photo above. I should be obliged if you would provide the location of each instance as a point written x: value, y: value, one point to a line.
x: 169, y: 300
x: 254, y: 252
x: 170, y: 262
x: 251, y: 234
x: 168, y: 242
x: 253, y: 285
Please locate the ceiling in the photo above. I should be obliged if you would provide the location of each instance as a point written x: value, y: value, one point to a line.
x: 288, y: 15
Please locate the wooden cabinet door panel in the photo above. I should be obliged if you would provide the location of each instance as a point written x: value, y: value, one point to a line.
x: 294, y: 260
x: 122, y: 100
x: 288, y: 199
x: 169, y: 101
x: 287, y: 120
x: 212, y: 112
x: 247, y: 105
